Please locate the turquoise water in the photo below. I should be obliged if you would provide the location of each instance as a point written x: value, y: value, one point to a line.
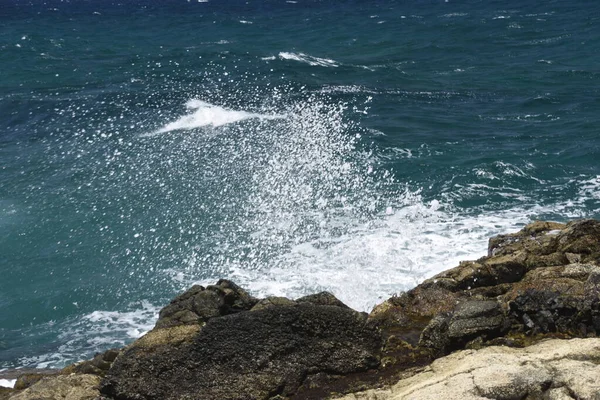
x: 293, y: 146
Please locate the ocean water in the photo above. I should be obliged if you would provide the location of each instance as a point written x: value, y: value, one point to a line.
x: 293, y: 146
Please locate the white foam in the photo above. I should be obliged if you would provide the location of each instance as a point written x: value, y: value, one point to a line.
x: 308, y: 59
x: 210, y: 115
x: 590, y: 189
x: 82, y: 338
x: 378, y: 258
x: 9, y: 383
x: 346, y: 89
x: 320, y: 215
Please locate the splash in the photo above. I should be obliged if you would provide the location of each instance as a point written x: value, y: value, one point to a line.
x: 206, y: 114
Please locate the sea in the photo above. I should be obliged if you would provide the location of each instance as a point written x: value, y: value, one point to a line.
x: 292, y: 146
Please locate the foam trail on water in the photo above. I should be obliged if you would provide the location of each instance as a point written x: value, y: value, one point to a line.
x: 210, y: 115
x: 308, y: 59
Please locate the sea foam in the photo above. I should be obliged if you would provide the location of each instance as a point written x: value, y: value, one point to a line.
x: 308, y: 59
x: 210, y: 115
x: 9, y: 383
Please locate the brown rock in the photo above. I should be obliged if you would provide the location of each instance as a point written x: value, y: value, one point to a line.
x: 62, y: 387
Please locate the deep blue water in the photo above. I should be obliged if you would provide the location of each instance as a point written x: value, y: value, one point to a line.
x: 293, y: 146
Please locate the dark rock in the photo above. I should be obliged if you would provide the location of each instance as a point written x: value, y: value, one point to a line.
x: 470, y: 320
x: 541, y: 281
x: 255, y: 355
x: 198, y: 304
x: 96, y: 366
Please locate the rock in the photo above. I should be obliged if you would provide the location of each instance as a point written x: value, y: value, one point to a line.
x: 322, y: 299
x: 198, y: 304
x: 543, y: 281
x: 273, y: 302
x: 247, y: 355
x: 469, y: 320
x: 62, y: 387
x: 96, y: 366
x: 5, y: 393
x: 552, y: 369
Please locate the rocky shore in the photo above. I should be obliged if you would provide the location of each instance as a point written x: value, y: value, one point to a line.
x: 520, y: 323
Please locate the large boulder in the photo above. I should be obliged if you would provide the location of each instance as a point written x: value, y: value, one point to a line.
x: 551, y: 370
x: 273, y: 350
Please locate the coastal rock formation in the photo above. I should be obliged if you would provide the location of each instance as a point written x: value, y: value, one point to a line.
x: 533, y: 288
x: 543, y: 281
x: 551, y: 370
x: 254, y: 355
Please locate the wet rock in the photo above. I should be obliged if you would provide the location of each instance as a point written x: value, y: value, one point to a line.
x: 542, y: 282
x: 247, y: 355
x: 469, y: 320
x: 96, y: 366
x: 198, y: 304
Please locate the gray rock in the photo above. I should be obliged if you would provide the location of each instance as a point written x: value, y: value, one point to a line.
x: 471, y: 319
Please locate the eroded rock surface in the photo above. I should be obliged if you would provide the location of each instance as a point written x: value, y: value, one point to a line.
x: 198, y: 304
x: 553, y: 369
x: 543, y: 281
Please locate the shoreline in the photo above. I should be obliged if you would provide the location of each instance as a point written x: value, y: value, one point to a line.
x: 538, y: 287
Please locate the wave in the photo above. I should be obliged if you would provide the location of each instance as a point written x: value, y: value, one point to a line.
x: 210, y: 115
x: 308, y: 59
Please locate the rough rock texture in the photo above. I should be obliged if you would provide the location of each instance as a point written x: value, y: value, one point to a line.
x: 62, y: 387
x: 551, y: 370
x: 198, y: 304
x: 543, y: 281
x: 98, y: 365
x: 253, y: 355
